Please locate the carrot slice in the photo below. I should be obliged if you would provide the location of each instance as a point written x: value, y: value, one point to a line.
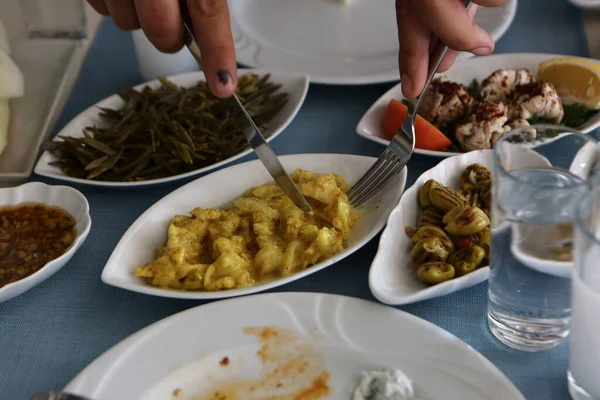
x: 427, y: 136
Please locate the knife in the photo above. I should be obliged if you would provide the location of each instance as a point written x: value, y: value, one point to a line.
x: 241, y: 117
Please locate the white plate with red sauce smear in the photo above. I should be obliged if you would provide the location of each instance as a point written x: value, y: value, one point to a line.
x: 288, y: 346
x: 463, y: 71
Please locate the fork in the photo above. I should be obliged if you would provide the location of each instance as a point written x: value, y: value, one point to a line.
x: 396, y: 155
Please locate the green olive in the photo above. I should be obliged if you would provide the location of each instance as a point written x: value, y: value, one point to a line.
x: 465, y: 221
x: 432, y: 231
x: 472, y: 197
x: 485, y: 242
x: 431, y: 217
x: 424, y: 200
x: 435, y: 272
x: 445, y: 198
x: 476, y: 177
x: 430, y: 249
x: 466, y: 260
x: 485, y: 196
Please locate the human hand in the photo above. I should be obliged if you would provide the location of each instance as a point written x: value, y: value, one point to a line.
x: 422, y: 24
x: 162, y: 24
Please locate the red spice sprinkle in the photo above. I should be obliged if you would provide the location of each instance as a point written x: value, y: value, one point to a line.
x: 224, y: 361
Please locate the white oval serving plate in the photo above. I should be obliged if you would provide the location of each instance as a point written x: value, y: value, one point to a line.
x: 392, y: 278
x: 64, y: 197
x: 184, y: 352
x: 295, y: 85
x: 218, y: 189
x: 333, y: 43
x: 463, y: 71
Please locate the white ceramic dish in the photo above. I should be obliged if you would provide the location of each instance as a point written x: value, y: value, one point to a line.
x: 331, y: 42
x: 463, y: 71
x: 136, y: 247
x: 184, y: 352
x: 295, y: 85
x: 392, y: 278
x: 586, y: 3
x: 64, y: 197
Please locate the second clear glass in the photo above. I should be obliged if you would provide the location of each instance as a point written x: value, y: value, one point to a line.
x: 584, y: 382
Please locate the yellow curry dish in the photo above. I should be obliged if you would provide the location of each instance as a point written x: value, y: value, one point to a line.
x: 261, y: 236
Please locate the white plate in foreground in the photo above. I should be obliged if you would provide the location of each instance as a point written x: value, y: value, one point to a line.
x: 336, y: 336
x: 463, y: 71
x: 295, y: 85
x: 216, y: 190
x: 67, y: 198
x: 331, y: 42
x: 392, y: 278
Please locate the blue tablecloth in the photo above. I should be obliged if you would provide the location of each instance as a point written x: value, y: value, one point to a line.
x: 53, y: 331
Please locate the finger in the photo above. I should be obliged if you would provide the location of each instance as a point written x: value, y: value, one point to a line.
x: 448, y: 61
x: 414, y: 39
x: 450, y: 21
x: 99, y: 6
x: 123, y: 13
x: 161, y: 22
x: 451, y: 55
x: 213, y: 32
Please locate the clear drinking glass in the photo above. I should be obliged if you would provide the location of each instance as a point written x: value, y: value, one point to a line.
x: 584, y: 376
x: 540, y: 174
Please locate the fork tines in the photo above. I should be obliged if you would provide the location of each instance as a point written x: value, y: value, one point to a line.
x: 387, y: 166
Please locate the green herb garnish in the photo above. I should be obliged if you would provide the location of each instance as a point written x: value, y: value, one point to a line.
x: 574, y: 117
x: 165, y: 131
x: 452, y: 149
x: 473, y: 88
x: 577, y: 114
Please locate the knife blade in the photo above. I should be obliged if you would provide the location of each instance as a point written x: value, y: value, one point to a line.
x: 253, y: 135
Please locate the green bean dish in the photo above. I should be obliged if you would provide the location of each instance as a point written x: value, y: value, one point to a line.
x: 165, y: 131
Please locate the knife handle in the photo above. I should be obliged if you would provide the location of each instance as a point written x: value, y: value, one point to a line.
x: 189, y: 37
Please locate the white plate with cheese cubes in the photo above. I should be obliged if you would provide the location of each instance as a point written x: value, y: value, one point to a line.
x: 179, y: 271
x: 336, y: 42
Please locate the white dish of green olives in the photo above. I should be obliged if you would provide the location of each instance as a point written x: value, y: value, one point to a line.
x: 436, y: 240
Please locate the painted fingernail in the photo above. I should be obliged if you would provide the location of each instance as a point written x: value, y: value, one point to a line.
x: 223, y: 77
x: 406, y: 83
x: 482, y: 51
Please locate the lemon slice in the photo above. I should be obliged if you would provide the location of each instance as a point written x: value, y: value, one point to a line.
x: 575, y: 79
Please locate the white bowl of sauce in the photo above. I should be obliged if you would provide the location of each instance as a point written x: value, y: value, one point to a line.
x: 41, y: 228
